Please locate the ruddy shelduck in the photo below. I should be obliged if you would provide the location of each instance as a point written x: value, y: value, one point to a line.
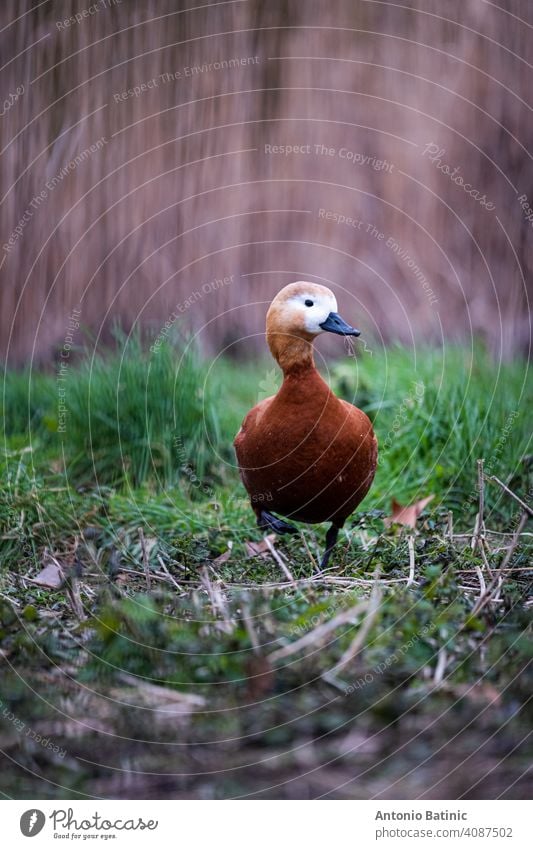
x: 305, y: 453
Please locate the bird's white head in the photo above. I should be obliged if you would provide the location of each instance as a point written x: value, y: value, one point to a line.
x: 300, y: 311
x: 307, y: 309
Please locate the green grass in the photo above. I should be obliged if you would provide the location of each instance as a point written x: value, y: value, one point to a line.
x: 82, y: 496
x: 134, y: 417
x: 130, y: 415
x: 436, y: 416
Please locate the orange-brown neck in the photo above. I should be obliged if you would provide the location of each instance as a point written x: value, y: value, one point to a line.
x: 293, y: 353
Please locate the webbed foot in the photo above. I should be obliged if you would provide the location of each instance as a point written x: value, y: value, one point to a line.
x: 267, y: 521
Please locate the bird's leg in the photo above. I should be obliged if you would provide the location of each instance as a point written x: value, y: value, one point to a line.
x: 267, y: 521
x: 331, y: 539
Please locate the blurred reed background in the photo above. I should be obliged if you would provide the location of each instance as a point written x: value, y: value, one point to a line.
x: 180, y: 189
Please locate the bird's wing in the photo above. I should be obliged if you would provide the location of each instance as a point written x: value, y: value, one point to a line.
x: 252, y: 419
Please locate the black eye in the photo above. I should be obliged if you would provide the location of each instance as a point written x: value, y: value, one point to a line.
x: 309, y: 303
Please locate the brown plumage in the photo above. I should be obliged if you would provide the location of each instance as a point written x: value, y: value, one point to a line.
x: 304, y: 453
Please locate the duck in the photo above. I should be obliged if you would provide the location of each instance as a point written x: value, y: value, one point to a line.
x: 304, y: 453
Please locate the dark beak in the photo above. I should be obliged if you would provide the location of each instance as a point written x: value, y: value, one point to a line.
x: 335, y: 324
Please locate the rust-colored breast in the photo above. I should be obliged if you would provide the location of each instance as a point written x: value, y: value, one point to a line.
x: 305, y: 454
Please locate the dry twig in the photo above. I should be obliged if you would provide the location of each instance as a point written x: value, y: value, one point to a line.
x: 481, y: 488
x: 526, y: 507
x: 514, y: 542
x: 250, y: 630
x: 279, y: 561
x: 442, y: 660
x: 318, y: 633
x: 411, y: 546
x: 357, y: 643
x: 167, y: 573
x: 450, y: 525
x: 489, y: 593
x: 146, y: 565
x: 311, y: 558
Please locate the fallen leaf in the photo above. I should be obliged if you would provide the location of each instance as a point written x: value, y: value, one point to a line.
x: 51, y: 576
x: 255, y: 549
x: 406, y: 515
